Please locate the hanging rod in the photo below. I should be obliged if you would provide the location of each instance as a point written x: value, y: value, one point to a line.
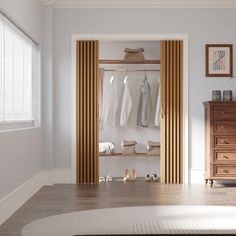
x: 130, y: 70
x: 110, y: 61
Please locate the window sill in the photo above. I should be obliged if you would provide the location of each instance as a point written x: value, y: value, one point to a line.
x: 17, y: 125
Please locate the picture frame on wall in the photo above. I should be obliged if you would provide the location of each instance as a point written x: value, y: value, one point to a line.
x: 219, y: 60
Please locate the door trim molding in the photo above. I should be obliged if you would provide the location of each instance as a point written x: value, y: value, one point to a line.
x: 130, y: 37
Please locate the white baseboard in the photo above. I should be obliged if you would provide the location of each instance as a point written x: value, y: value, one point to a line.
x: 197, y: 176
x: 18, y: 197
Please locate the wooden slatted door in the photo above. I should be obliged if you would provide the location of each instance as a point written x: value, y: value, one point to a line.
x: 87, y: 66
x: 171, y: 111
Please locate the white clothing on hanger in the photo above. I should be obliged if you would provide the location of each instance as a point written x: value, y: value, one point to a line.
x: 101, y: 74
x: 158, y: 106
x: 112, y: 104
x: 126, y: 106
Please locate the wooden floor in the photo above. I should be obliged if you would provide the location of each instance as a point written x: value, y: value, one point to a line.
x: 57, y: 199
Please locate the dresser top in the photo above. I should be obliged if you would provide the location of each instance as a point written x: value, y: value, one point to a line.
x: 219, y: 103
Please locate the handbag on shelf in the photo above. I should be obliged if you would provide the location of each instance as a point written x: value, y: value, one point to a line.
x: 134, y: 54
x: 128, y: 147
x: 153, y: 148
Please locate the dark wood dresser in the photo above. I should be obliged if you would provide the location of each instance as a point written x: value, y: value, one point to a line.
x: 220, y: 140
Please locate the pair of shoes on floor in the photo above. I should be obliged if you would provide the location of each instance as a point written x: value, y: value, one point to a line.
x: 108, y: 178
x: 153, y: 177
x: 131, y: 177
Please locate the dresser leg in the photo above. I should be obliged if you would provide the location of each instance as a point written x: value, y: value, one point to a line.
x: 211, y: 183
x: 206, y: 181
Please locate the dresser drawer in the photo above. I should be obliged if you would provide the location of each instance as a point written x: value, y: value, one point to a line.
x: 225, y: 141
x: 225, y: 156
x: 220, y: 112
x: 224, y: 127
x: 225, y: 170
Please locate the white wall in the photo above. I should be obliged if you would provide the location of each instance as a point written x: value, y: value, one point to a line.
x: 202, y: 25
x: 20, y: 156
x: 116, y: 134
x: 27, y: 14
x: 47, y: 75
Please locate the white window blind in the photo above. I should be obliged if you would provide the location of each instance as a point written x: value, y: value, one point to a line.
x: 16, y: 74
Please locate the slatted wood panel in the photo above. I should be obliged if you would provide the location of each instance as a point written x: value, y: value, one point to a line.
x: 87, y: 82
x: 171, y: 111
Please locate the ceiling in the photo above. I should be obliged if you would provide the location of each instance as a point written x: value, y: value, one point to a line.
x: 141, y: 3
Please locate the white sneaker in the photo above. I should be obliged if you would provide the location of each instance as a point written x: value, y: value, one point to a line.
x: 102, y: 179
x: 148, y: 177
x: 108, y: 178
x: 155, y: 178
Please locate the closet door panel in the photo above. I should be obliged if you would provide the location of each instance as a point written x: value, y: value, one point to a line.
x: 171, y: 113
x: 87, y: 111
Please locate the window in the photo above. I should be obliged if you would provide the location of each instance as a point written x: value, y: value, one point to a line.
x: 17, y: 95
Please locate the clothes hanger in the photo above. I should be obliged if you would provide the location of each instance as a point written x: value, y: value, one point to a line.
x: 126, y: 77
x: 112, y: 78
x: 145, y: 74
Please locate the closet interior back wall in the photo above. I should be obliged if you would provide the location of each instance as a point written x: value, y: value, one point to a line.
x: 115, y: 166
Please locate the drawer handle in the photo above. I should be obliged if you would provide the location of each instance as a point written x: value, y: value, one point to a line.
x: 222, y: 112
x: 225, y: 171
x: 223, y: 141
x: 222, y: 127
x: 225, y: 157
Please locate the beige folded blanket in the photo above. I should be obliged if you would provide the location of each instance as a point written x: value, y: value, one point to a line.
x: 153, y: 144
x: 128, y: 143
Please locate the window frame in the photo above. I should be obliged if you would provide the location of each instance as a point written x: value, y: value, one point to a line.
x: 35, y: 122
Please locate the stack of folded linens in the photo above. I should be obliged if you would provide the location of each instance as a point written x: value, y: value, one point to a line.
x: 128, y: 147
x: 106, y: 148
x: 153, y: 148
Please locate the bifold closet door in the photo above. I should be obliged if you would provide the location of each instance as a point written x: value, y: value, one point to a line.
x: 171, y: 111
x: 87, y: 66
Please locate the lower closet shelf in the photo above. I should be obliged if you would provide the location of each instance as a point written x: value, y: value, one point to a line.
x: 133, y: 155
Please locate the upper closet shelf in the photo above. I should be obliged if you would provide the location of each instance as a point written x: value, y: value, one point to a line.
x: 129, y: 62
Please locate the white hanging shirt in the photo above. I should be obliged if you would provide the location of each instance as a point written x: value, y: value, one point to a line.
x: 112, y: 104
x: 101, y: 74
x: 126, y: 106
x: 158, y: 106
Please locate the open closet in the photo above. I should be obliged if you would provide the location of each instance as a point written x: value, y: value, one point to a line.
x: 117, y: 103
x: 129, y: 129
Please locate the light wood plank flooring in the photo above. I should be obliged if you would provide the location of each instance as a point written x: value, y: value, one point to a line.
x: 63, y: 198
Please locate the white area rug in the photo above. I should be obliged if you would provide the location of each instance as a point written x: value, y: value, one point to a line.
x: 138, y: 220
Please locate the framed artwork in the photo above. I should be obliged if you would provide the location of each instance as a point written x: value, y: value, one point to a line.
x: 219, y: 60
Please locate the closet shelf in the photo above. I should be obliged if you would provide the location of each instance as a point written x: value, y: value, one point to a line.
x: 103, y: 61
x: 123, y: 155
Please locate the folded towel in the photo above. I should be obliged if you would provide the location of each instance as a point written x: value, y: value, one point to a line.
x: 153, y: 144
x: 106, y: 147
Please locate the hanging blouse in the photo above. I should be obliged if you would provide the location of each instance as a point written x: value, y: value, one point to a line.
x: 112, y: 104
x: 145, y: 104
x: 101, y: 74
x: 157, y: 113
x: 126, y: 106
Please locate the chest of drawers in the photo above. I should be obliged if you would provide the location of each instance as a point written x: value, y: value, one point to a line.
x: 220, y: 141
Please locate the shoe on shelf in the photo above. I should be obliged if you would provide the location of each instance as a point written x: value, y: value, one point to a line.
x: 126, y: 175
x: 108, y: 178
x: 133, y: 175
x: 148, y: 178
x: 126, y: 178
x: 102, y: 179
x: 155, y: 178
